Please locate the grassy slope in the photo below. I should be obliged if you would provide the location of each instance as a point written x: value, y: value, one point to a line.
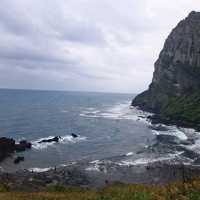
x: 179, y: 191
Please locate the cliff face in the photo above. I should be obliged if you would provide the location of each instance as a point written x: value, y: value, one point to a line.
x: 177, y: 70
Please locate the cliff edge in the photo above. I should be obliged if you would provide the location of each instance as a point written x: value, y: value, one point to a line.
x: 174, y: 93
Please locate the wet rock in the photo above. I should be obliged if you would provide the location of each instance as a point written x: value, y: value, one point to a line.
x: 197, y: 161
x: 191, y: 154
x: 22, y: 146
x: 7, y: 146
x: 18, y: 159
x: 141, y: 116
x: 54, y: 139
x: 19, y: 148
x: 26, y: 144
x: 74, y: 135
x: 158, y: 128
x: 168, y: 139
x: 188, y: 142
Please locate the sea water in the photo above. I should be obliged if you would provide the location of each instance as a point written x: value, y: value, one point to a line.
x: 106, y: 125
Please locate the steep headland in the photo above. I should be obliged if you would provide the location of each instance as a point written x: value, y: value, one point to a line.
x: 174, y: 93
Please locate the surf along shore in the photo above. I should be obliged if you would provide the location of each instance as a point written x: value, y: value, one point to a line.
x: 101, y: 173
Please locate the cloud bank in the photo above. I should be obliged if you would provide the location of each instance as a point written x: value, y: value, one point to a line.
x: 87, y: 45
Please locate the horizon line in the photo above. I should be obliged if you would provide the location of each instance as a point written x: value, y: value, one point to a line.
x: 62, y: 90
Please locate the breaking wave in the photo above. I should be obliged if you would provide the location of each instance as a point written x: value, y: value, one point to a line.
x: 173, y: 131
x: 118, y: 111
x: 145, y: 161
x: 38, y: 170
x: 67, y: 139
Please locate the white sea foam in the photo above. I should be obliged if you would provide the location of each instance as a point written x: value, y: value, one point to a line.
x: 93, y: 168
x: 68, y: 164
x: 195, y: 147
x: 97, y: 165
x: 38, y: 170
x: 144, y: 161
x: 125, y: 111
x: 67, y: 139
x: 129, y: 154
x: 95, y: 162
x: 189, y: 131
x: 172, y: 130
x: 37, y: 145
x: 118, y: 111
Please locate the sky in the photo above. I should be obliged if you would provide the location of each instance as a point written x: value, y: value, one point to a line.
x: 85, y: 45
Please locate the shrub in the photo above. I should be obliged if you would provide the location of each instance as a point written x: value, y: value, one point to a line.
x: 194, y: 196
x: 56, y: 188
x: 4, y: 188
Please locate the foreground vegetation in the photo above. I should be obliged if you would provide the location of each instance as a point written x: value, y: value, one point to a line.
x: 175, y: 191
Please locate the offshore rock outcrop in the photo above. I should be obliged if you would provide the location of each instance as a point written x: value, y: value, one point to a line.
x: 174, y: 92
x: 8, y: 146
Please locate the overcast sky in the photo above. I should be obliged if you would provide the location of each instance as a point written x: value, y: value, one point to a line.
x: 87, y: 45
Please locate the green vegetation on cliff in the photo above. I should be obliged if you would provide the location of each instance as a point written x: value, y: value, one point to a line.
x: 184, y: 110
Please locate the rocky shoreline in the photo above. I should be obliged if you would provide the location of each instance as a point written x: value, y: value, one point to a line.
x: 157, y: 173
x: 100, y: 173
x: 95, y: 174
x: 159, y: 119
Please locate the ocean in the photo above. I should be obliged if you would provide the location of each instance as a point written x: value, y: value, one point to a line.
x: 108, y: 128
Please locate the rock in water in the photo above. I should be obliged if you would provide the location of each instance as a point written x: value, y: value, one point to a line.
x: 74, y: 135
x: 26, y: 144
x: 18, y: 159
x: 54, y: 139
x: 7, y: 146
x: 174, y: 92
x: 22, y: 146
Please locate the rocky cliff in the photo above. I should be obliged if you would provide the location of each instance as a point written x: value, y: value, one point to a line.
x: 174, y: 92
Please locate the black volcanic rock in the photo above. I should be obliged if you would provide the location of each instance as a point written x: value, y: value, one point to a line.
x: 8, y: 146
x: 74, y: 135
x: 54, y: 139
x: 174, y: 92
x: 22, y: 146
x: 18, y: 159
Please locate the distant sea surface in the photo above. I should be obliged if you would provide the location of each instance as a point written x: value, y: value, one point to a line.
x: 106, y: 126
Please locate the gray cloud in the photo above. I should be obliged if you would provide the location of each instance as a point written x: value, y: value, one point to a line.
x: 88, y: 45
